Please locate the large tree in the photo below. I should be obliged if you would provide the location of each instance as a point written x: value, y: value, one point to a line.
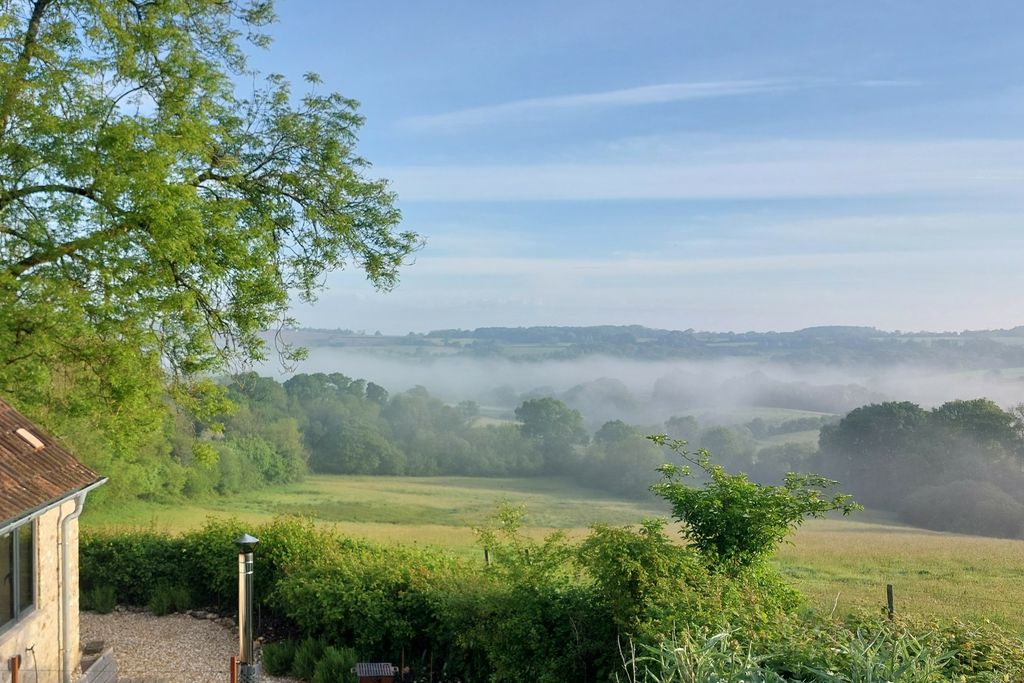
x: 159, y: 202
x: 556, y: 428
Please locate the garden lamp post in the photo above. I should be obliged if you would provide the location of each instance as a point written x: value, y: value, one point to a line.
x: 248, y: 670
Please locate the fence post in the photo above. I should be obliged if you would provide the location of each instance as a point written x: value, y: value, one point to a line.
x: 888, y: 598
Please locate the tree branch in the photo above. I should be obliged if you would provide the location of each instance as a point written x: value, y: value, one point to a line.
x: 69, y: 248
x: 24, y: 61
x: 22, y: 192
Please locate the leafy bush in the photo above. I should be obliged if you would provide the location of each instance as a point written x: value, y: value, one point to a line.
x: 733, y: 521
x: 307, y: 654
x: 335, y: 665
x: 100, y: 599
x: 545, y: 611
x: 277, y: 657
x: 168, y: 599
x: 132, y: 563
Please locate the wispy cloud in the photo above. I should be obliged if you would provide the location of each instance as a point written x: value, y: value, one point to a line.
x: 635, y: 268
x: 784, y: 169
x: 625, y: 97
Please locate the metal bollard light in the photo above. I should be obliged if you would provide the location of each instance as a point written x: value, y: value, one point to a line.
x: 248, y: 669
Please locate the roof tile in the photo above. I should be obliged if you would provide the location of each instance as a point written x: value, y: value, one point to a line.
x: 32, y: 478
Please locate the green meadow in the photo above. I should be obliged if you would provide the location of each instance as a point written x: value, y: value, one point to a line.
x: 839, y: 565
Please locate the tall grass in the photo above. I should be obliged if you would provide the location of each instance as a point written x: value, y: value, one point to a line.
x: 888, y: 656
x: 690, y: 658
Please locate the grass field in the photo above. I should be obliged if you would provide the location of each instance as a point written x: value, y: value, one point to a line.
x: 836, y: 564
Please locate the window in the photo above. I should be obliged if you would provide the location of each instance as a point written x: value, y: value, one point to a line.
x: 17, y: 573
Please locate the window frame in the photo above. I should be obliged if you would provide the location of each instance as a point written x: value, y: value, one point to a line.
x: 21, y: 612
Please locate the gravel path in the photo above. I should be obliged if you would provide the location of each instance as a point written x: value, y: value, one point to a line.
x: 177, y: 648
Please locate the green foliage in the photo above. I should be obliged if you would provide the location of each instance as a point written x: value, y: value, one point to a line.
x: 736, y: 523
x: 307, y: 654
x: 132, y: 563
x: 620, y: 459
x: 277, y: 657
x: 556, y: 428
x: 688, y: 657
x: 335, y: 665
x: 865, y: 650
x: 645, y: 578
x: 169, y: 599
x: 956, y: 467
x: 544, y: 610
x: 100, y: 599
x: 155, y: 219
x: 884, y: 656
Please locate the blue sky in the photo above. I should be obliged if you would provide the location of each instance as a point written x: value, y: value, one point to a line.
x: 721, y: 166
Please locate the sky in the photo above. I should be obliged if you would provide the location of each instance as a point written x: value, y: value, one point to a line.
x: 710, y: 165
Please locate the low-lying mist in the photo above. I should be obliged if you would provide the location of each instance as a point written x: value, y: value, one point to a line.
x: 648, y: 392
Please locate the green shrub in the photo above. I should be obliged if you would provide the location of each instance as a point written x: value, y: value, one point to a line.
x: 543, y: 611
x: 169, y: 599
x: 335, y: 665
x: 100, y: 599
x: 736, y: 523
x: 307, y: 654
x: 277, y: 657
x: 133, y: 563
x: 688, y: 657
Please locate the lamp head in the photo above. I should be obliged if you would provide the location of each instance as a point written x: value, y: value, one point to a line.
x: 246, y: 543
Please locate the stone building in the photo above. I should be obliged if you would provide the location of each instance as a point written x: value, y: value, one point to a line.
x: 42, y: 492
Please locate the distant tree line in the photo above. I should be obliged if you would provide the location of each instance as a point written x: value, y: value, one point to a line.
x: 957, y: 467
x: 335, y: 424
x: 837, y: 344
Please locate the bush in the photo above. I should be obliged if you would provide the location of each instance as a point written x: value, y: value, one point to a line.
x: 168, y: 599
x: 335, y: 665
x: 132, y: 563
x: 277, y: 657
x: 307, y: 654
x: 543, y: 611
x: 100, y: 599
x: 736, y: 523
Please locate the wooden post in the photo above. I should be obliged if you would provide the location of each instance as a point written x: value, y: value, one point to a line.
x: 888, y: 598
x: 15, y: 664
x: 487, y: 557
x: 234, y: 670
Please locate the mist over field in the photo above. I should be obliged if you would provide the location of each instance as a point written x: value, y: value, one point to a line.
x: 604, y: 387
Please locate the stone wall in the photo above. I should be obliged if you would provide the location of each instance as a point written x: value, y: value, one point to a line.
x: 37, y: 636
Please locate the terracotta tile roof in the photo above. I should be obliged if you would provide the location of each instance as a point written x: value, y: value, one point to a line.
x: 32, y: 477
